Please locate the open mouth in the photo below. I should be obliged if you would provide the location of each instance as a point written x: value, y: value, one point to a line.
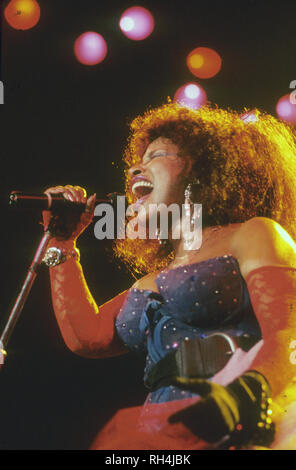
x: 142, y: 189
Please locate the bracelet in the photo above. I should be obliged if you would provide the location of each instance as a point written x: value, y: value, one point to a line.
x: 55, y: 256
x: 256, y: 426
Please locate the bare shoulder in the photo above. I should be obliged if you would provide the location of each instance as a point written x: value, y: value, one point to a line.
x: 261, y: 241
x: 147, y: 282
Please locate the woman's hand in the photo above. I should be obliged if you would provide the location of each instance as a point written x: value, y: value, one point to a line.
x: 230, y: 412
x: 69, y: 225
x: 214, y: 416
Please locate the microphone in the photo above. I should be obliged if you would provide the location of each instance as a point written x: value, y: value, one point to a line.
x: 58, y: 202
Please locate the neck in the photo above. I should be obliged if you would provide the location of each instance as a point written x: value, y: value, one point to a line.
x: 179, y: 245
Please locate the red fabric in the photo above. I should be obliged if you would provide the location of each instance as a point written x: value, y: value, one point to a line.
x: 146, y: 428
x: 272, y: 291
x: 86, y: 329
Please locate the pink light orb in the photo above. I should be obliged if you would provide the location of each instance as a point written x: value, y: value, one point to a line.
x: 90, y: 48
x: 191, y: 95
x: 286, y: 109
x: 136, y: 23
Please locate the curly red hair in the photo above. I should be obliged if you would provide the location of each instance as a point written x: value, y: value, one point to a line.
x: 245, y: 170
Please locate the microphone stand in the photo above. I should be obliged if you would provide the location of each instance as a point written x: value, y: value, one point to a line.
x: 24, y: 291
x: 37, y: 260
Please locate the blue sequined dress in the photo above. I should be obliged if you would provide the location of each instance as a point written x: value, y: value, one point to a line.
x: 193, y: 301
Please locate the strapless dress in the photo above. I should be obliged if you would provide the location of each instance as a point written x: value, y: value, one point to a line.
x: 192, y: 301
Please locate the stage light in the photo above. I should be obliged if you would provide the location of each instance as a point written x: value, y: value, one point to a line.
x: 136, y: 23
x: 286, y: 110
x: 191, y: 95
x: 22, y: 14
x: 204, y: 62
x: 90, y: 48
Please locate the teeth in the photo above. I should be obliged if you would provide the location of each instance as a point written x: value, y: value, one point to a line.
x: 142, y: 183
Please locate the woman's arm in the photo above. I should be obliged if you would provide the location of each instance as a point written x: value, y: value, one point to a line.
x: 88, y: 330
x: 267, y: 258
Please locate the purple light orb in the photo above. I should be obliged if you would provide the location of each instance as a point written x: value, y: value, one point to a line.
x: 191, y: 95
x: 90, y: 48
x: 286, y: 109
x: 136, y: 23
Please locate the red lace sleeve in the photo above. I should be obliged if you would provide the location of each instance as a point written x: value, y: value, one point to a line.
x: 86, y: 329
x: 272, y: 291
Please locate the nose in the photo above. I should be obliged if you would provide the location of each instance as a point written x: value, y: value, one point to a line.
x: 135, y: 170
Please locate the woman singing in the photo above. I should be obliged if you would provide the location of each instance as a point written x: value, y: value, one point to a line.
x: 217, y: 321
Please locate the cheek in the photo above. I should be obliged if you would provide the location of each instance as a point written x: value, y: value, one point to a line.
x: 171, y: 186
x: 177, y: 177
x: 172, y: 171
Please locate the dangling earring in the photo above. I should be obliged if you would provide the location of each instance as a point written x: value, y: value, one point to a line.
x: 188, y: 190
x: 191, y: 215
x: 188, y: 195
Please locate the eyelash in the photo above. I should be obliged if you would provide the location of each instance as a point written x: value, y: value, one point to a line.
x: 155, y: 155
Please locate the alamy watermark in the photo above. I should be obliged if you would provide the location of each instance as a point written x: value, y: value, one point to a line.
x: 1, y: 93
x: 157, y: 221
x: 293, y: 93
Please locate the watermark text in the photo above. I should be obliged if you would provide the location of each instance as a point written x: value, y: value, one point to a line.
x: 154, y: 221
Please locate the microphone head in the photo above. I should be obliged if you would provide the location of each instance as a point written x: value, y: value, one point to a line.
x: 13, y: 197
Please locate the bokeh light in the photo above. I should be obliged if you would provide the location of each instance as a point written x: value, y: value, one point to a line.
x: 90, y: 48
x: 136, y: 23
x: 204, y: 62
x: 286, y: 110
x: 191, y: 95
x: 22, y: 14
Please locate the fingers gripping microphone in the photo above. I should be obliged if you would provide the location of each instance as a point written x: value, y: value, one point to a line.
x: 56, y: 202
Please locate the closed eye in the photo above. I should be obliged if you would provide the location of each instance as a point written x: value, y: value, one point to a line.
x: 154, y: 155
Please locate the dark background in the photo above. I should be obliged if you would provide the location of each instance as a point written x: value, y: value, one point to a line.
x: 65, y: 123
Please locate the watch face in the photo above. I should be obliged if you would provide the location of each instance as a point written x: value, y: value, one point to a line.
x: 53, y: 256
